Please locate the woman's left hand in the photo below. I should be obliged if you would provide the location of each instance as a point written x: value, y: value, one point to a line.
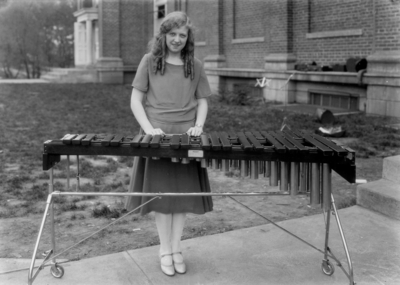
x: 195, y: 131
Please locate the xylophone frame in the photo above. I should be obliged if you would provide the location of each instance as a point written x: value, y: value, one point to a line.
x: 58, y: 271
x: 328, y: 164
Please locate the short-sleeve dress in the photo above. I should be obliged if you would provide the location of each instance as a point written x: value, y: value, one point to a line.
x: 170, y: 104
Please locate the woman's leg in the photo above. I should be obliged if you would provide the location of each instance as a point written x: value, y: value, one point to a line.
x: 178, y: 222
x: 164, y: 227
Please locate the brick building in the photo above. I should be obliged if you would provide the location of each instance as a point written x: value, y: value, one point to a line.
x: 256, y: 44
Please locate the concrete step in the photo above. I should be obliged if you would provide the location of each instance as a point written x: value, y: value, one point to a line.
x: 71, y: 75
x: 50, y: 77
x: 391, y: 169
x: 382, y: 196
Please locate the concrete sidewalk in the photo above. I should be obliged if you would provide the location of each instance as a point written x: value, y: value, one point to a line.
x: 257, y: 255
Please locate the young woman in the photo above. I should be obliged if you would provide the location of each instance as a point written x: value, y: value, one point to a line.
x: 169, y: 96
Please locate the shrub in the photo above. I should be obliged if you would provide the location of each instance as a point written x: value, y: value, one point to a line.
x: 106, y: 212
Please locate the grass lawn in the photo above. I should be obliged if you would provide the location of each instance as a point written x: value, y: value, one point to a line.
x: 33, y: 113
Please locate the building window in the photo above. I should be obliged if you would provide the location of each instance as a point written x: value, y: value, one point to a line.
x: 83, y: 4
x: 160, y: 11
x: 334, y: 100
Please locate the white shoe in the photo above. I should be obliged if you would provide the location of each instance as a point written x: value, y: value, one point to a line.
x: 167, y: 269
x: 180, y: 267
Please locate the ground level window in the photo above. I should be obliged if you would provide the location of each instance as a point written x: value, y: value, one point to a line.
x: 334, y: 100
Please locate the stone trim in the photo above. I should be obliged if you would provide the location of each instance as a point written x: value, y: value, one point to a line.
x: 325, y: 77
x: 235, y: 72
x: 279, y: 61
x: 382, y: 79
x: 318, y: 77
x: 385, y: 57
x: 384, y: 62
x: 248, y: 40
x: 333, y: 92
x: 200, y: 44
x: 87, y: 14
x: 215, y: 57
x: 332, y: 34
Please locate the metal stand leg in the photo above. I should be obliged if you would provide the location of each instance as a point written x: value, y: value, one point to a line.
x: 56, y: 270
x: 51, y: 213
x: 328, y: 205
x: 32, y: 277
x: 350, y: 264
x: 326, y: 266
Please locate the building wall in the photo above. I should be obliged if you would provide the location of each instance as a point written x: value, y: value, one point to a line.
x: 205, y: 18
x: 280, y: 26
x: 134, y: 30
x: 325, y: 17
x: 387, y: 25
x: 379, y: 21
x: 110, y: 28
x: 244, y: 20
x: 245, y: 39
x: 301, y: 27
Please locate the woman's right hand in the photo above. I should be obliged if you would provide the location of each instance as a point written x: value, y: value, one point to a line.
x: 154, y: 132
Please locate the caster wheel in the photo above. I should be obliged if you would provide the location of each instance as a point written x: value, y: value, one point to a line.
x: 327, y: 267
x: 57, y: 271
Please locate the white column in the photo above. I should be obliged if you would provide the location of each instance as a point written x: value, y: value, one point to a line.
x: 89, y: 42
x: 76, y: 43
x: 80, y: 43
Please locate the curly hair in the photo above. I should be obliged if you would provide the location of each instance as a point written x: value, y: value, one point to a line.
x: 159, y: 47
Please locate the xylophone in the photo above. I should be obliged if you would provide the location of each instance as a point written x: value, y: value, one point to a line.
x: 291, y: 159
x: 297, y: 162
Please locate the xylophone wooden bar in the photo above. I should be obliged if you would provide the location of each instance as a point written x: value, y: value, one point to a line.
x: 277, y: 145
x: 77, y: 140
x: 136, y: 140
x: 145, y: 142
x: 226, y: 144
x: 115, y: 141
x: 155, y: 142
x: 107, y: 140
x: 67, y: 139
x: 87, y: 139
